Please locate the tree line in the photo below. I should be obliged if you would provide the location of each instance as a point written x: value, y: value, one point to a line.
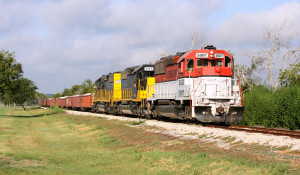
x: 84, y: 88
x: 275, y: 103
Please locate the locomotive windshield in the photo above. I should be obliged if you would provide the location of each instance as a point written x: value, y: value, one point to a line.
x: 149, y: 74
x: 203, y: 63
x: 215, y: 62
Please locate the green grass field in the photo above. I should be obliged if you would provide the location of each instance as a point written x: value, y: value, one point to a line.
x: 48, y: 141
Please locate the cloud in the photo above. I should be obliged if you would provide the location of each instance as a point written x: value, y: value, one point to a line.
x: 246, y: 29
x: 61, y: 43
x: 243, y: 33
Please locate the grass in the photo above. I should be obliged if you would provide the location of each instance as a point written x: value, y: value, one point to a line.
x: 39, y: 141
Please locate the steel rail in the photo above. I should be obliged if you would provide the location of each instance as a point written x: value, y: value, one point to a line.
x: 278, y: 132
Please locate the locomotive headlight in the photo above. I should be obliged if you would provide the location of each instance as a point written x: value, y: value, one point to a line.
x: 198, y: 100
x: 231, y: 101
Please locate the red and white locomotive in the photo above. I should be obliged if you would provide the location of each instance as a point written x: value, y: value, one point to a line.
x: 197, y: 84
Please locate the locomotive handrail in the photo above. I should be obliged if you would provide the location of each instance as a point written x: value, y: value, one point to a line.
x: 195, y: 91
x: 242, y: 92
x: 126, y: 94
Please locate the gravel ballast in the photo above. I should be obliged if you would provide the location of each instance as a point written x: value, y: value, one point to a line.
x: 186, y: 131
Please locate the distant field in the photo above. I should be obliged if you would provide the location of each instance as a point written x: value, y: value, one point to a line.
x: 48, y: 141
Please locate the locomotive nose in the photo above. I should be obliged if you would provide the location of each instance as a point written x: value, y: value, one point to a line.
x: 218, y: 69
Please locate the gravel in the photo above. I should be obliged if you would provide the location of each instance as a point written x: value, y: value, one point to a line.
x: 220, y: 137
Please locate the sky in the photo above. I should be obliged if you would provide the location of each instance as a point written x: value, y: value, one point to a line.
x: 61, y: 43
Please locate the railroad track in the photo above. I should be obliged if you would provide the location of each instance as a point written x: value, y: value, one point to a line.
x: 278, y: 132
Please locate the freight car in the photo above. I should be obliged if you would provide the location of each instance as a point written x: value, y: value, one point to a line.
x: 77, y: 102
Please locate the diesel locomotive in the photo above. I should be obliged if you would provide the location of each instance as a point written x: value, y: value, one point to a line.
x: 197, y: 84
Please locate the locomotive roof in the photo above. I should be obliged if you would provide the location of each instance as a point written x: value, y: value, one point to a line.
x: 201, y: 50
x: 171, y: 59
x: 129, y: 70
x: 140, y: 66
x: 183, y: 56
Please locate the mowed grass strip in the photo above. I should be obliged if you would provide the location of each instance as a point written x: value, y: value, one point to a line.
x: 48, y: 141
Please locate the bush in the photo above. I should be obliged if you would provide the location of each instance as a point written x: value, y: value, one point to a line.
x: 273, y: 109
x: 57, y: 109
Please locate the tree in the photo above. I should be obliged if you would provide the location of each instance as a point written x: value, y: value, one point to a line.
x: 75, y: 90
x: 198, y: 41
x: 56, y: 95
x: 87, y: 86
x: 247, y: 74
x: 41, y: 96
x: 290, y: 76
x: 10, y: 71
x: 277, y: 50
x: 14, y: 88
x: 66, y: 92
x: 22, y: 91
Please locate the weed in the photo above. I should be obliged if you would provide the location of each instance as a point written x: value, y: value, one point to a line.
x: 97, y: 128
x: 191, y: 133
x: 138, y: 154
x: 138, y: 122
x: 228, y: 139
x: 57, y: 109
x: 283, y: 148
x: 202, y: 136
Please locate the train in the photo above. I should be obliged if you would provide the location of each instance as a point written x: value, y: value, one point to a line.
x: 194, y: 85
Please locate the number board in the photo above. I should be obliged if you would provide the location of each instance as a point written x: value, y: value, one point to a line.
x: 219, y: 55
x: 148, y: 68
x: 201, y: 55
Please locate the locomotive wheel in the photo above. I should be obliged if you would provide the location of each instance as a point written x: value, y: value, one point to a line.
x: 147, y: 116
x: 139, y: 113
x: 154, y: 113
x: 189, y: 121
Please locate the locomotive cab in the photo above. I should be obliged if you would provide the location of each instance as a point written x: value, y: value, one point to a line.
x: 206, y: 63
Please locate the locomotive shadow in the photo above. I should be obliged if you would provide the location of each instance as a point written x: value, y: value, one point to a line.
x: 174, y: 120
x: 165, y: 119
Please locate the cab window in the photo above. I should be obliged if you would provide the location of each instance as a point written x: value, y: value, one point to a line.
x: 220, y: 63
x: 215, y: 62
x: 190, y: 64
x: 202, y: 63
x: 227, y: 62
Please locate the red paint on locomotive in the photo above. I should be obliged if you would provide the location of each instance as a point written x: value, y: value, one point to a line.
x: 189, y: 65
